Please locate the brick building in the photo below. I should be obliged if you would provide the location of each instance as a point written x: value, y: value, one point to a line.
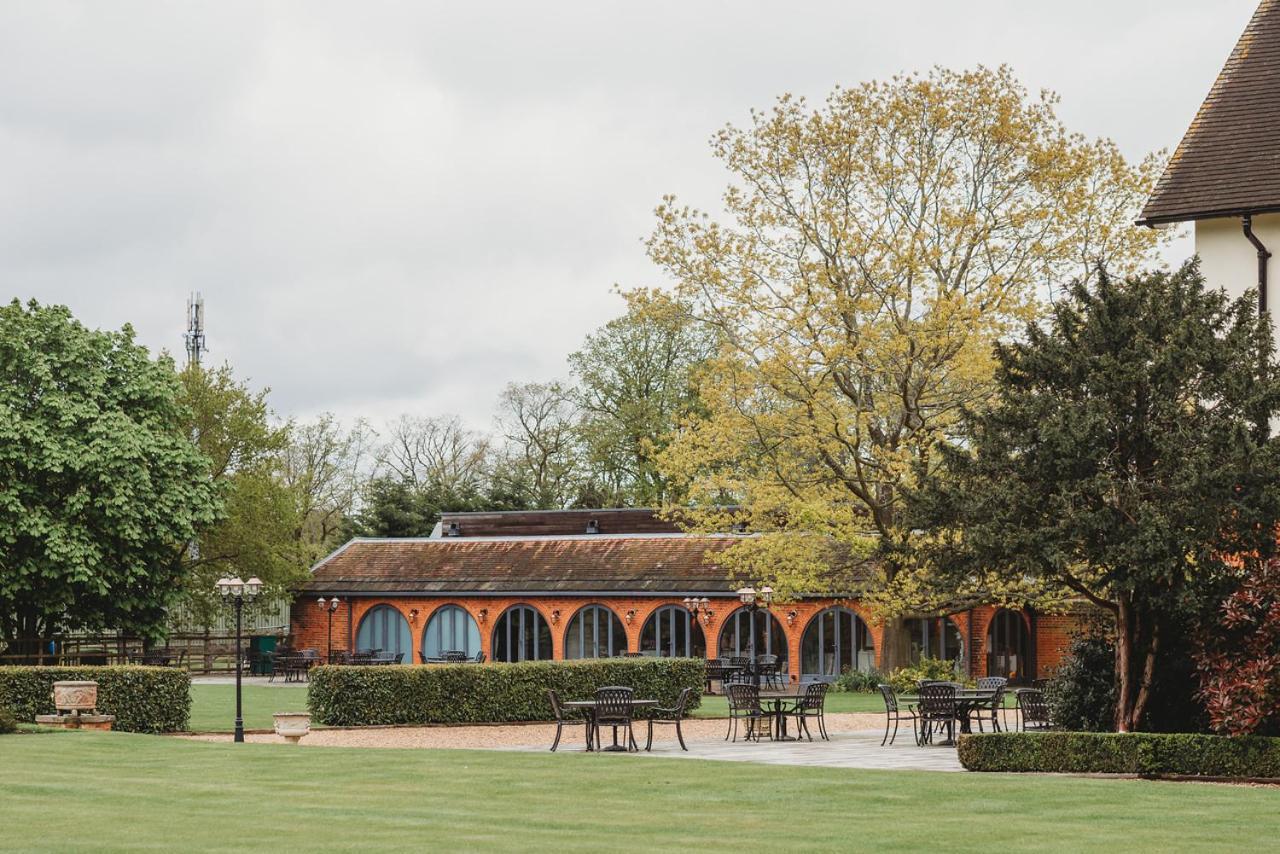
x: 595, y: 583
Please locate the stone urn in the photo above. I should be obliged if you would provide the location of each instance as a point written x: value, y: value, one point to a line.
x: 292, y: 726
x: 75, y: 697
x: 76, y: 704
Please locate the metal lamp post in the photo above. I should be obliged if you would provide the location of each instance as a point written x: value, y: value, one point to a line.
x: 753, y: 599
x: 329, y: 607
x: 236, y: 593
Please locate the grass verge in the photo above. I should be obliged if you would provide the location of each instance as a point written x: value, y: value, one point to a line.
x: 155, y: 793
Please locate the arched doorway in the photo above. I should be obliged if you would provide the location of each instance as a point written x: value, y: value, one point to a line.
x: 835, y: 641
x: 735, y: 637
x: 595, y: 632
x: 933, y: 637
x: 1009, y: 646
x: 672, y: 632
x: 385, y: 628
x: 521, y: 634
x: 450, y: 629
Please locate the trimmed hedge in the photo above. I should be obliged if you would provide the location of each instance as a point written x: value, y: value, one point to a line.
x: 143, y: 699
x: 1145, y: 754
x: 487, y: 693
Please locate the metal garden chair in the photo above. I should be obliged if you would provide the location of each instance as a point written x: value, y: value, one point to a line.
x: 614, y: 709
x: 894, y: 714
x: 673, y: 715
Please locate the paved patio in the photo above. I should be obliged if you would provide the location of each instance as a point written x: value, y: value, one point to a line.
x: 845, y: 750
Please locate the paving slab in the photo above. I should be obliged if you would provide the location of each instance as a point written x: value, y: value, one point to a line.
x: 845, y: 750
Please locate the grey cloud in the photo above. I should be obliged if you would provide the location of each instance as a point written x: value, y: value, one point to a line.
x: 403, y: 206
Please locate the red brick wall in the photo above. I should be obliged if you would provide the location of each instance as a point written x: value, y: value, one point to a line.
x: 309, y: 625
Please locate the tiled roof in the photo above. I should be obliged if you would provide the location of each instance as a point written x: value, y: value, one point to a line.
x: 625, y: 564
x: 1228, y: 163
x: 639, y: 520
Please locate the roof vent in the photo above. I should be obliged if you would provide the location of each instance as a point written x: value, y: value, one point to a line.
x: 455, y: 530
x: 593, y: 526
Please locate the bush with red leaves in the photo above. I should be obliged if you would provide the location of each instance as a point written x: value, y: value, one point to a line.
x: 1239, y: 663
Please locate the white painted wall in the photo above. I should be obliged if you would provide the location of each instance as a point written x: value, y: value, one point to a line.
x: 1228, y: 260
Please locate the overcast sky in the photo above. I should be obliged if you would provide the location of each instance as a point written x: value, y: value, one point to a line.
x: 400, y: 207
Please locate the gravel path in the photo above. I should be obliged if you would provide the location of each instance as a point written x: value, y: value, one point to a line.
x: 517, y: 735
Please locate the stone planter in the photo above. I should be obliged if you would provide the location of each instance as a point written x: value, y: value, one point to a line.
x: 75, y: 697
x: 292, y: 726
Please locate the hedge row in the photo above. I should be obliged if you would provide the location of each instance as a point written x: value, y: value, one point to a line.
x: 484, y: 693
x: 1146, y: 754
x: 143, y: 699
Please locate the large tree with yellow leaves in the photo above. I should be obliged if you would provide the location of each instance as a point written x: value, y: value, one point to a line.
x: 871, y: 253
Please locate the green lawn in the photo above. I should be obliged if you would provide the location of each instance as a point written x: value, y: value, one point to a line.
x: 135, y: 793
x: 718, y: 707
x: 213, y: 707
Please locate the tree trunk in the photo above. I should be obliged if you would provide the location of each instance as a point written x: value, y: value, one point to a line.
x: 26, y: 645
x: 1137, y: 650
x: 894, y: 646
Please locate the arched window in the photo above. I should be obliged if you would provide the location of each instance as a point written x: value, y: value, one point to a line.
x: 450, y: 629
x: 521, y: 635
x: 672, y: 632
x: 1008, y: 646
x: 595, y: 632
x: 933, y: 637
x: 735, y: 637
x: 835, y: 641
x: 384, y: 628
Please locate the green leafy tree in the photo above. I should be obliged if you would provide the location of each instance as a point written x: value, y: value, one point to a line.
x: 390, y: 507
x: 636, y: 383
x: 99, y: 483
x: 1125, y: 459
x: 870, y: 252
x: 540, y: 462
x: 323, y: 464
x: 258, y: 532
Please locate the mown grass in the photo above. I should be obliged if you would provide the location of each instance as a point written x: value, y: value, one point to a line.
x: 155, y: 793
x: 213, y: 707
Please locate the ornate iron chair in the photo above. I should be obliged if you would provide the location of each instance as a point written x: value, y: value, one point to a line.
x: 744, y: 705
x: 565, y: 718
x: 937, y: 710
x: 894, y: 714
x: 997, y: 684
x: 1033, y: 709
x: 812, y: 705
x: 613, y: 709
x: 673, y: 715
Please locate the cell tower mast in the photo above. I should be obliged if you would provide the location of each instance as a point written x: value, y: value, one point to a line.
x: 195, y: 329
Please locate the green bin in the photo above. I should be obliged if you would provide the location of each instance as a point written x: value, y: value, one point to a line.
x: 261, y: 649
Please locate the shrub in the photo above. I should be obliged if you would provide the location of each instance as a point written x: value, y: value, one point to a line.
x: 855, y: 681
x: 904, y: 679
x: 1238, y: 660
x: 483, y: 693
x: 143, y: 699
x: 1082, y: 693
x: 8, y: 723
x: 1147, y: 754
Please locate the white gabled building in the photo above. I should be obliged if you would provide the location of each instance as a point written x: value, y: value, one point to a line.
x: 1224, y: 176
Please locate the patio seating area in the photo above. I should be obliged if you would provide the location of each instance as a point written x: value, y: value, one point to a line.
x: 952, y: 709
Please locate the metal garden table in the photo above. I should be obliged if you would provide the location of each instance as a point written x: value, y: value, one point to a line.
x: 589, y: 707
